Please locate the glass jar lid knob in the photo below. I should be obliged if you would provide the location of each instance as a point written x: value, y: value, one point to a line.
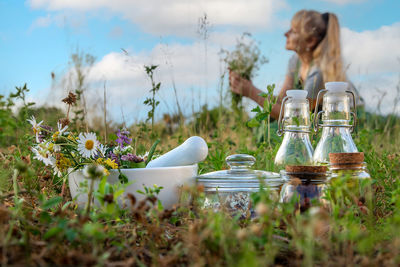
x: 240, y: 162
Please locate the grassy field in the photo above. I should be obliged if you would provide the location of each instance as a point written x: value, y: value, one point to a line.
x: 40, y: 225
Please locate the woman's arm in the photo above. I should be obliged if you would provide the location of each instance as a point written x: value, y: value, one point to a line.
x: 246, y: 88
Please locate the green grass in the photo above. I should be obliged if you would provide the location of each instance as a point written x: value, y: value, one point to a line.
x: 40, y: 226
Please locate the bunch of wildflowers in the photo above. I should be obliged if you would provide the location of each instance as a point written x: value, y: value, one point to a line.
x: 63, y: 150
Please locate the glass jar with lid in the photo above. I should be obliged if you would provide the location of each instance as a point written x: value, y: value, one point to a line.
x: 304, y: 186
x: 230, y: 190
x: 348, y: 171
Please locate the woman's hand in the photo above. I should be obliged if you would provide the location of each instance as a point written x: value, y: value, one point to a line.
x: 239, y: 85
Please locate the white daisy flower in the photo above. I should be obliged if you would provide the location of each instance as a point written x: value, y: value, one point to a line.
x: 127, y: 149
x: 101, y: 150
x: 87, y: 144
x: 57, y: 171
x: 145, y: 156
x: 43, y: 155
x: 35, y: 127
x: 52, y: 147
x: 61, y: 129
x: 56, y: 148
x: 117, y: 150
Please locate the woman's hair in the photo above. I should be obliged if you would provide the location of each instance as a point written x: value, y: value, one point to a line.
x: 326, y: 54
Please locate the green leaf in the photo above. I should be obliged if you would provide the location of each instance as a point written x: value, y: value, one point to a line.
x: 256, y: 109
x: 122, y: 177
x: 102, y: 185
x: 51, y: 202
x: 70, y: 234
x: 112, y: 137
x: 261, y: 117
x: 118, y: 193
x: 66, y: 205
x: 253, y: 123
x: 152, y: 149
x: 133, y: 165
x: 45, y: 217
x: 52, y: 232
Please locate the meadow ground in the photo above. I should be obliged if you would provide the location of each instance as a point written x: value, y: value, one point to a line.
x: 40, y: 225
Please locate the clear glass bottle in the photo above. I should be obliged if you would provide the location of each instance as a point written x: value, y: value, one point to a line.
x: 336, y: 116
x: 230, y: 190
x: 348, y: 174
x: 304, y: 186
x: 294, y: 122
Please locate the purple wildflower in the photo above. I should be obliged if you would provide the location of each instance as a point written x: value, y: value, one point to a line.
x: 131, y: 157
x: 114, y: 157
x: 123, y: 138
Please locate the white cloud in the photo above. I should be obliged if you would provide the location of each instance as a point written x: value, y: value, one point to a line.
x: 178, y: 17
x: 42, y: 22
x: 60, y: 19
x: 127, y: 84
x: 380, y: 92
x: 373, y: 58
x: 372, y: 51
x: 116, y: 32
x: 344, y: 2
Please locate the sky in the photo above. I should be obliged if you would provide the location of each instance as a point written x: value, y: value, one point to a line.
x: 38, y: 37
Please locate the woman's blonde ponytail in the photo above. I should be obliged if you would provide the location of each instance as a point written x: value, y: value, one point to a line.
x: 327, y: 54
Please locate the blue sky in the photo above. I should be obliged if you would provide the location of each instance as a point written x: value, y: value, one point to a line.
x: 37, y: 38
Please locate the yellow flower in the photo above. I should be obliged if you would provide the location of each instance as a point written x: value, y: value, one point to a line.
x: 71, y: 137
x: 106, y: 172
x: 111, y: 163
x: 50, y: 147
x: 62, y: 164
x: 100, y: 160
x: 55, y: 135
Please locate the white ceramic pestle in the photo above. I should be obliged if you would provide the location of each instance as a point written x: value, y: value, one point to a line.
x: 193, y: 150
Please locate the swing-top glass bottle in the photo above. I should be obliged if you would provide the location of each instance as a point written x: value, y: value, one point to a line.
x: 294, y: 123
x: 336, y: 121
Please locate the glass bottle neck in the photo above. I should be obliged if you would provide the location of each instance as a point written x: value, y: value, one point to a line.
x: 295, y: 134
x: 337, y: 130
x: 336, y: 123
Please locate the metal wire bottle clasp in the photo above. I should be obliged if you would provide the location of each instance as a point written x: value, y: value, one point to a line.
x: 281, y: 121
x: 318, y: 115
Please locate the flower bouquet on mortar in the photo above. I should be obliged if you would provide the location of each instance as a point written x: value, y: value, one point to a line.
x: 81, y: 154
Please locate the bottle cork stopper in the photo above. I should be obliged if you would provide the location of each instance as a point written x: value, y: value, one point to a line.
x: 349, y: 160
x: 346, y: 158
x: 305, y: 169
x: 307, y: 174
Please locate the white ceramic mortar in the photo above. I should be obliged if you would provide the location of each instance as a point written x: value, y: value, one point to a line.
x: 171, y: 178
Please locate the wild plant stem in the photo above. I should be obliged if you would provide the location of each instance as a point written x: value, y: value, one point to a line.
x: 264, y: 129
x: 69, y: 107
x: 105, y: 114
x: 63, y: 188
x: 269, y: 130
x: 89, y: 196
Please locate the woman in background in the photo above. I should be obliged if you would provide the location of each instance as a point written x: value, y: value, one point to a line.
x: 315, y: 38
